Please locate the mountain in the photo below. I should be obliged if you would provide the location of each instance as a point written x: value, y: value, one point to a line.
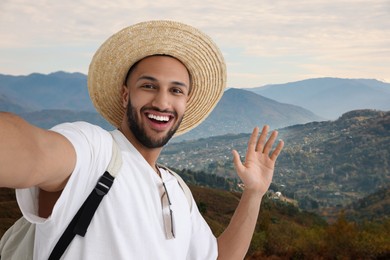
x: 46, y: 100
x: 59, y: 90
x: 327, y: 98
x: 239, y: 111
x: 323, y: 165
x: 7, y: 104
x: 48, y: 118
x: 331, y: 97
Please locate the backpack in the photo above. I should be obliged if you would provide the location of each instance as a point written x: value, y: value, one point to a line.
x: 18, y: 241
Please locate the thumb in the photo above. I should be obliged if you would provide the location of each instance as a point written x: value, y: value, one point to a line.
x: 237, y: 162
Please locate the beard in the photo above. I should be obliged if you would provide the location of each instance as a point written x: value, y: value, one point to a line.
x: 140, y: 133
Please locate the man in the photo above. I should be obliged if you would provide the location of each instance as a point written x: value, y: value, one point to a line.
x: 151, y: 80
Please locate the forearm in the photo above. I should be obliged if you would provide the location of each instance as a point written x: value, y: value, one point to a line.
x: 256, y: 174
x: 234, y: 242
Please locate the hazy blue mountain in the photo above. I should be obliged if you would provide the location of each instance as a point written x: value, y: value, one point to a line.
x: 46, y: 100
x: 331, y: 97
x: 49, y: 118
x: 59, y: 90
x: 239, y: 111
x: 7, y: 104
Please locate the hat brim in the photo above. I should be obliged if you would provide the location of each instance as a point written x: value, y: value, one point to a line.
x: 193, y: 48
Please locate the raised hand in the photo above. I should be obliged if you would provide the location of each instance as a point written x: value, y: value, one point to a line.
x: 257, y: 170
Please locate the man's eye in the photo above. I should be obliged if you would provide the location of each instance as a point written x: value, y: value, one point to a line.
x: 148, y: 86
x: 177, y: 91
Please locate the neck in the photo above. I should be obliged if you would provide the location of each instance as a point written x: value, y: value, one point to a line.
x: 150, y: 154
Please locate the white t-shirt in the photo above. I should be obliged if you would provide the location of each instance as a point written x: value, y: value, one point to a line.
x: 128, y: 223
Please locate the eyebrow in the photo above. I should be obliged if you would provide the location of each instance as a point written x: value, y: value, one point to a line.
x: 178, y: 83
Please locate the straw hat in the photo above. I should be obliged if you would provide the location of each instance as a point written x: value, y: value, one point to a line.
x: 193, y: 48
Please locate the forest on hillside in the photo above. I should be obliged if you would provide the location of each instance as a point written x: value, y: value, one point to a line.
x: 324, y: 165
x: 344, y: 161
x: 283, y: 231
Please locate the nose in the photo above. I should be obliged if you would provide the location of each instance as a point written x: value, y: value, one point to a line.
x: 161, y: 100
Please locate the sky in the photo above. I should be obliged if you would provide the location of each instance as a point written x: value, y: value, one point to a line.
x: 263, y: 41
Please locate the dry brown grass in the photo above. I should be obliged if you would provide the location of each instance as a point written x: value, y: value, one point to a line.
x: 9, y: 210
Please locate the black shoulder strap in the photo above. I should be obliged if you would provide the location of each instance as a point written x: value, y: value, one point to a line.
x: 84, y: 215
x: 82, y: 219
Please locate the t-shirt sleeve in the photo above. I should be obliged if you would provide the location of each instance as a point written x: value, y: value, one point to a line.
x: 91, y: 145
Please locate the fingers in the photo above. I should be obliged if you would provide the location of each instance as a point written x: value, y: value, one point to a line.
x: 270, y: 142
x: 253, y: 139
x: 277, y: 151
x: 262, y: 139
x: 263, y: 145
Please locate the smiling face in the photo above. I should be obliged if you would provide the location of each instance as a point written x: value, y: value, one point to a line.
x: 156, y: 96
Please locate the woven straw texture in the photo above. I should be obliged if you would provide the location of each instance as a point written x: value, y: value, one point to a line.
x: 193, y: 48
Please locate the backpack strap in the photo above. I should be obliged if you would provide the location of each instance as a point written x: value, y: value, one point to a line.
x: 83, y: 217
x: 115, y: 163
x: 182, y: 184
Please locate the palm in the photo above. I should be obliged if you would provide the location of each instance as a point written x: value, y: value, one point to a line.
x: 257, y: 170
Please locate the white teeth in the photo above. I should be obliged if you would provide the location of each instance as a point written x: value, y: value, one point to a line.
x: 159, y: 118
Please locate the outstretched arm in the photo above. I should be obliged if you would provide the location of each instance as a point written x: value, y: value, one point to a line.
x: 256, y: 174
x: 31, y: 156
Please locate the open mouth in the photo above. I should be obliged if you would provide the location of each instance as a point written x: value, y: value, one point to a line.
x: 159, y: 119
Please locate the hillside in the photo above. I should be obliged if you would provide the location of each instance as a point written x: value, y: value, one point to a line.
x: 374, y: 207
x: 282, y: 230
x: 9, y: 210
x: 324, y: 165
x: 337, y: 162
x: 331, y: 97
x: 239, y: 111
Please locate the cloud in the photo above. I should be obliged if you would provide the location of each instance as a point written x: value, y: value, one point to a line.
x: 312, y: 32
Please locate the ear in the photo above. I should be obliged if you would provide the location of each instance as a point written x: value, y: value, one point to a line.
x: 125, y: 96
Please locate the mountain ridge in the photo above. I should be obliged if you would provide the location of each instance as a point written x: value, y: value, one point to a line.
x: 33, y: 96
x: 330, y: 97
x: 57, y: 90
x: 323, y: 164
x: 239, y: 111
